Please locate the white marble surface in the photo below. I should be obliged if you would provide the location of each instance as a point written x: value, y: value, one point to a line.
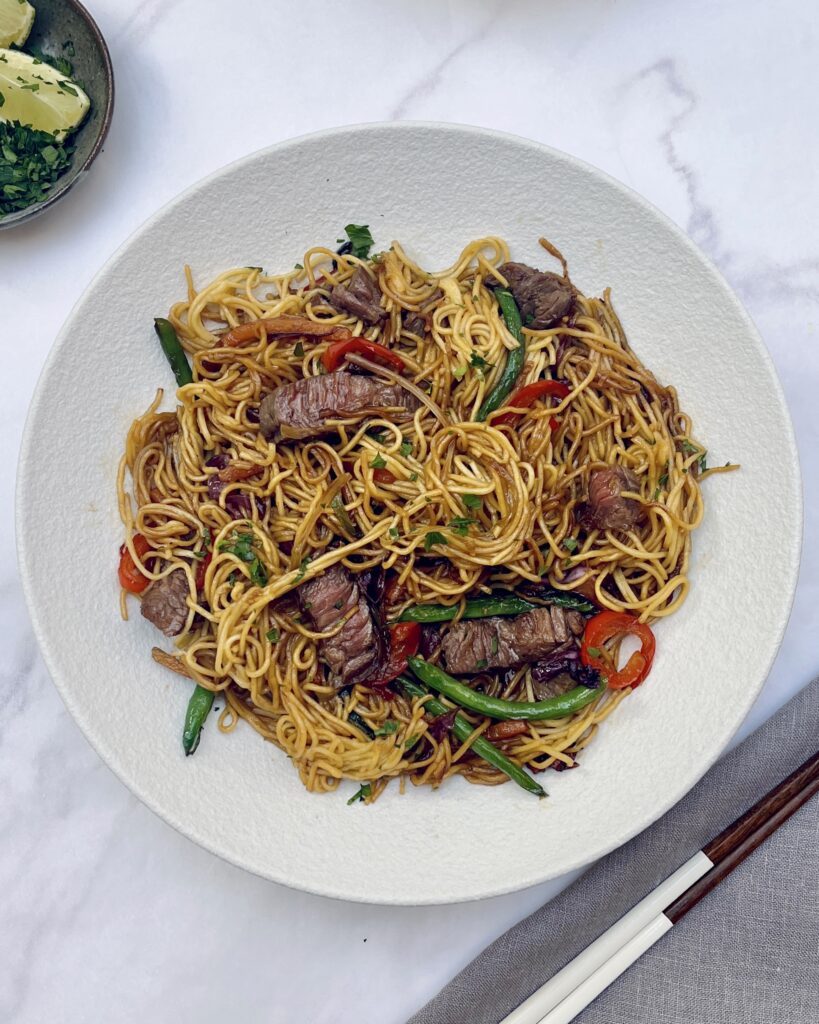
x: 709, y: 109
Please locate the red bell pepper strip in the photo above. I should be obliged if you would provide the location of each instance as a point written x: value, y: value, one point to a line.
x: 201, y: 569
x: 607, y: 626
x: 405, y: 638
x: 130, y: 578
x: 530, y: 393
x: 337, y: 351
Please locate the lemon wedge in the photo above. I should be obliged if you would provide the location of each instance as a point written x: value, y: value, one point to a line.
x: 16, y: 19
x: 34, y: 93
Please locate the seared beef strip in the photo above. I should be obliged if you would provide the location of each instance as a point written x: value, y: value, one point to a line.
x: 479, y: 644
x: 415, y: 323
x: 165, y: 602
x: 356, y: 651
x: 302, y: 408
x: 606, y: 508
x: 361, y: 296
x: 543, y: 298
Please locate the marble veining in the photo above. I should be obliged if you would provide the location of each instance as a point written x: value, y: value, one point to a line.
x: 708, y: 110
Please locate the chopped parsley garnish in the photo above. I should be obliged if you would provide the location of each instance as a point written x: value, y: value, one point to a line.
x: 661, y: 484
x: 378, y: 463
x: 434, y: 537
x: 387, y: 729
x: 479, y: 363
x: 594, y: 652
x: 413, y: 477
x: 35, y: 87
x: 394, y: 532
x: 60, y: 63
x: 481, y: 663
x: 298, y: 349
x: 410, y: 743
x: 493, y: 645
x: 240, y: 546
x: 66, y: 87
x: 570, y: 543
x: 379, y: 436
x: 302, y: 568
x: 273, y: 635
x: 406, y: 448
x: 361, y: 241
x: 460, y: 525
x: 472, y: 500
x: 361, y: 794
x: 298, y: 266
x: 30, y: 163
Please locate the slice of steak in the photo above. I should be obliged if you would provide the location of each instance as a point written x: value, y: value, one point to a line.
x: 356, y: 651
x: 165, y: 602
x: 303, y: 408
x: 361, y: 296
x: 479, y: 644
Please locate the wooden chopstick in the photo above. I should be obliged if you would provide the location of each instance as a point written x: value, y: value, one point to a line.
x: 741, y: 837
x: 569, y: 991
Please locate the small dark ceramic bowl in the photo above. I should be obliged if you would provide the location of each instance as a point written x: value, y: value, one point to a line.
x: 57, y: 22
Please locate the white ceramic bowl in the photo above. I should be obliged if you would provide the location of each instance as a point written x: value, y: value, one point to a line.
x: 434, y: 187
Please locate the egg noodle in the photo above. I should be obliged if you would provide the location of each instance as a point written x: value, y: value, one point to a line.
x: 247, y: 640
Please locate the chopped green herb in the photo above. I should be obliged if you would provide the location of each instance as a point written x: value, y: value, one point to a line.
x: 460, y: 525
x: 60, y: 63
x: 406, y: 448
x: 200, y: 554
x: 68, y: 48
x: 394, y: 532
x: 481, y: 663
x: 35, y: 87
x: 702, y: 463
x: 662, y: 483
x: 298, y: 349
x: 413, y: 477
x: 67, y: 88
x: 361, y: 795
x: 479, y: 363
x: 273, y: 635
x: 472, y: 500
x: 458, y: 372
x: 207, y: 537
x: 387, y: 729
x: 594, y: 652
x: 240, y: 545
x: 361, y: 241
x: 378, y: 435
x: 339, y: 604
x: 410, y: 743
x: 378, y: 463
x: 493, y: 645
x: 570, y: 543
x: 298, y: 266
x: 30, y: 164
x: 302, y: 568
x: 433, y: 537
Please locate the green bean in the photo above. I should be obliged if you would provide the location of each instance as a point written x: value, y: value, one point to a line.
x: 355, y: 719
x: 477, y: 608
x: 496, y: 707
x: 481, y: 746
x: 173, y: 350
x: 566, y: 599
x: 198, y: 709
x: 514, y: 361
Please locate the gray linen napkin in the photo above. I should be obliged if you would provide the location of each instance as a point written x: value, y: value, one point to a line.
x: 747, y: 954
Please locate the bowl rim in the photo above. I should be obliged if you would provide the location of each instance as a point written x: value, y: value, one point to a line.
x: 79, y: 172
x: 792, y: 556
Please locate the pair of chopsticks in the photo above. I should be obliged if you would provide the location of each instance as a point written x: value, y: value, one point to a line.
x: 583, y: 979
